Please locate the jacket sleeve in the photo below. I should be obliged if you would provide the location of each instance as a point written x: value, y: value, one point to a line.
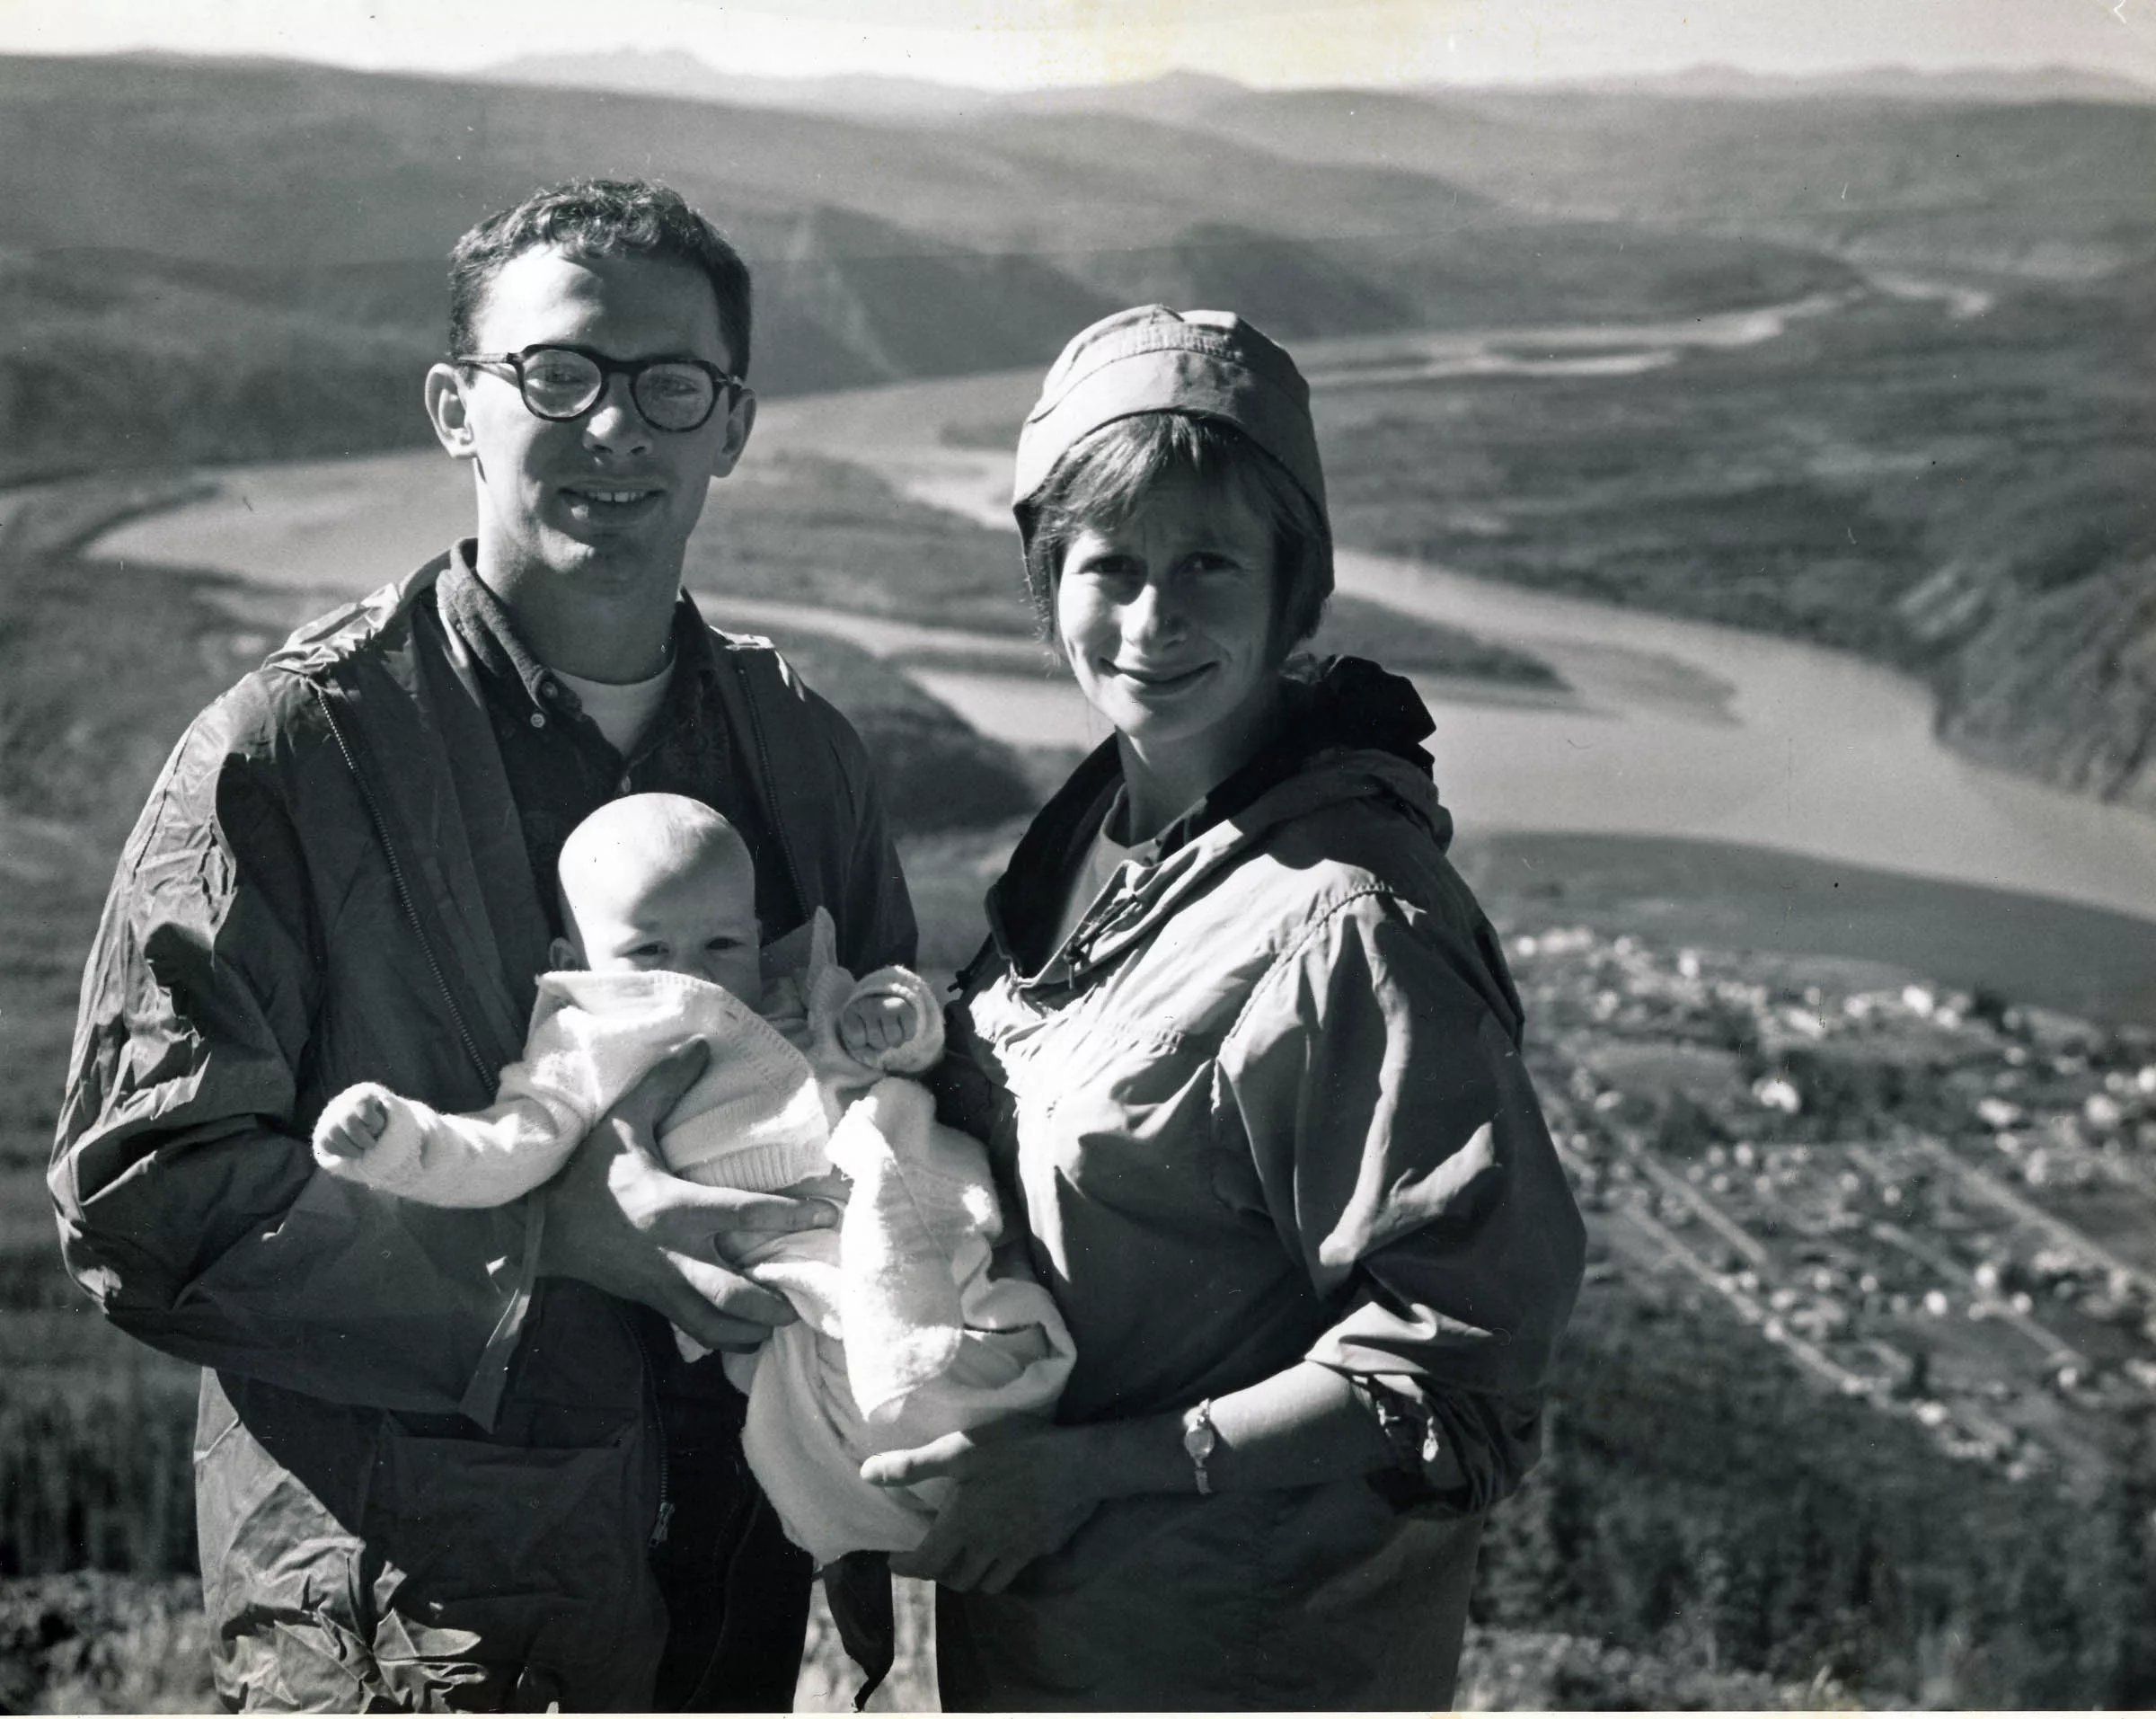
x: 187, y: 1194
x: 1405, y: 1164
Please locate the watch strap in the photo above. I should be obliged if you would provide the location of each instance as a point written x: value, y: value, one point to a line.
x: 1200, y: 1439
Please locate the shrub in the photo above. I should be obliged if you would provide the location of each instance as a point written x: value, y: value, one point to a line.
x: 96, y: 1472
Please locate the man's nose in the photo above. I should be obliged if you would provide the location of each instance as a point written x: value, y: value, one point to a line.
x: 614, y: 423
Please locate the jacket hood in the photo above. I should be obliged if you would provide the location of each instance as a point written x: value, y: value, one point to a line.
x: 1349, y: 730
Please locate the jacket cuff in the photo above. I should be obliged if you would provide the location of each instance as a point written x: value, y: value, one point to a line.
x: 925, y: 1049
x: 392, y: 1163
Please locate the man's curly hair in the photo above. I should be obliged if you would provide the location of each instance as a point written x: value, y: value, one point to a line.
x: 600, y: 218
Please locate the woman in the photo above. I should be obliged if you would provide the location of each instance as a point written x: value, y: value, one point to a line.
x: 1247, y: 1058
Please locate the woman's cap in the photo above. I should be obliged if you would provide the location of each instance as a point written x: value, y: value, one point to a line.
x: 1208, y: 363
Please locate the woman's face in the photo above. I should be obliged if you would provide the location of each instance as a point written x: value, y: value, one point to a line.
x: 1166, y: 618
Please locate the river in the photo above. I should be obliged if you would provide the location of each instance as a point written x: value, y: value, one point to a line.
x: 1679, y: 728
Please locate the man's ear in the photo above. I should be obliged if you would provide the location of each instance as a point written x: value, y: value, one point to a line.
x: 740, y: 418
x: 445, y: 411
x: 562, y: 956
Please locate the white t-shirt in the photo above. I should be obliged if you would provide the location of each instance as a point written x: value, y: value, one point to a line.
x: 621, y: 711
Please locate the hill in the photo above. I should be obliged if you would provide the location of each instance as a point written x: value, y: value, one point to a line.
x: 1965, y: 497
x: 2052, y: 188
x: 211, y: 261
x: 672, y: 73
x: 1177, y: 95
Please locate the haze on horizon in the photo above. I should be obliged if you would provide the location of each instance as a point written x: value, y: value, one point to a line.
x: 1015, y: 44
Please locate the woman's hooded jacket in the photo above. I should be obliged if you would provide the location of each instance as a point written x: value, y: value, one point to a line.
x: 1266, y: 1104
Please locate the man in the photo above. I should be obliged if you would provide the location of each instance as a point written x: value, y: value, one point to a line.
x: 450, y: 1459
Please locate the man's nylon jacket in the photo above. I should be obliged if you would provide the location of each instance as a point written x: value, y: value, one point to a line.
x: 424, y: 1475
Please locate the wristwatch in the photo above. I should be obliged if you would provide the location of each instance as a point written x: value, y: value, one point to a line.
x: 1199, y: 1440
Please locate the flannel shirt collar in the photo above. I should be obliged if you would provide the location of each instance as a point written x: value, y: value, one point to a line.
x: 507, y: 669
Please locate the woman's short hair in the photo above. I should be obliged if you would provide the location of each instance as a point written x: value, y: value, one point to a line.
x: 1103, y: 480
x: 601, y: 217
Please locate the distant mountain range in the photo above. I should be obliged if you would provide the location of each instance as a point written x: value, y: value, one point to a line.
x: 1895, y: 82
x: 2044, y: 170
x: 673, y: 73
x: 224, y: 260
x: 272, y: 231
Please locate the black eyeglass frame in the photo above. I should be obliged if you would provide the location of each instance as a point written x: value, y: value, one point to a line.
x: 635, y: 369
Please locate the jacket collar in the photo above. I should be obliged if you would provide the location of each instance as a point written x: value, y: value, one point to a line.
x: 1349, y: 729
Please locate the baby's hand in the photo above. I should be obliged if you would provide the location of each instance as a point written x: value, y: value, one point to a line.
x: 869, y: 1025
x: 356, y: 1132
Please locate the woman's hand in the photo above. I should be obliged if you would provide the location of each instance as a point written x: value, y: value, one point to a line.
x: 617, y: 1220
x: 1020, y: 1490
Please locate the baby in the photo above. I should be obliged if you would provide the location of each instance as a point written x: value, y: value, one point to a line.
x: 904, y: 1335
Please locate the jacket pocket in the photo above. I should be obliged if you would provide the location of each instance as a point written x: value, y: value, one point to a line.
x: 511, y: 1554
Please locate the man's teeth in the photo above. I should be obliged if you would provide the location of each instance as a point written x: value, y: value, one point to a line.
x: 619, y: 497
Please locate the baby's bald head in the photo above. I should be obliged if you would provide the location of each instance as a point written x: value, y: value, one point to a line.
x: 660, y: 882
x: 628, y: 842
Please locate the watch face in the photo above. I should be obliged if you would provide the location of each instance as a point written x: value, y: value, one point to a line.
x: 1200, y: 1438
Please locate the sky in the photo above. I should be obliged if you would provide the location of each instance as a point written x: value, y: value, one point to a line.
x: 1020, y: 43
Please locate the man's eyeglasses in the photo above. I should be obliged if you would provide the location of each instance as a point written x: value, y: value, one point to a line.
x: 560, y: 383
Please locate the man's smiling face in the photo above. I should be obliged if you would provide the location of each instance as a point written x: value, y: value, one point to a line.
x: 604, y: 501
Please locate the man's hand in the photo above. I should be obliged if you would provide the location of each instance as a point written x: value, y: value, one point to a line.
x: 616, y: 1220
x: 1022, y: 1489
x: 869, y: 1025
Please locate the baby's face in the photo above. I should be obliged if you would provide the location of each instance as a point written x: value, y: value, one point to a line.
x: 699, y: 918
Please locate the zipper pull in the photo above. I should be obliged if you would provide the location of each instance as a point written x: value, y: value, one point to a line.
x: 665, y: 1516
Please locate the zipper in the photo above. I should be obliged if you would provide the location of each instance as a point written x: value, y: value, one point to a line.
x: 396, y: 873
x: 662, y: 1517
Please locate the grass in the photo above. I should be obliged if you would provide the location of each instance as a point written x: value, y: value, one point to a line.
x: 828, y: 533
x: 92, y: 695
x: 95, y: 1470
x: 2081, y: 961
x: 1411, y: 645
x: 935, y: 772
x: 92, y: 1641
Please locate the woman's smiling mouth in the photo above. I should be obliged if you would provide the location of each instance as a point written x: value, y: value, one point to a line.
x: 1158, y: 680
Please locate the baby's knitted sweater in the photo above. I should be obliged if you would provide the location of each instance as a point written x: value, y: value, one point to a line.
x: 759, y: 1118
